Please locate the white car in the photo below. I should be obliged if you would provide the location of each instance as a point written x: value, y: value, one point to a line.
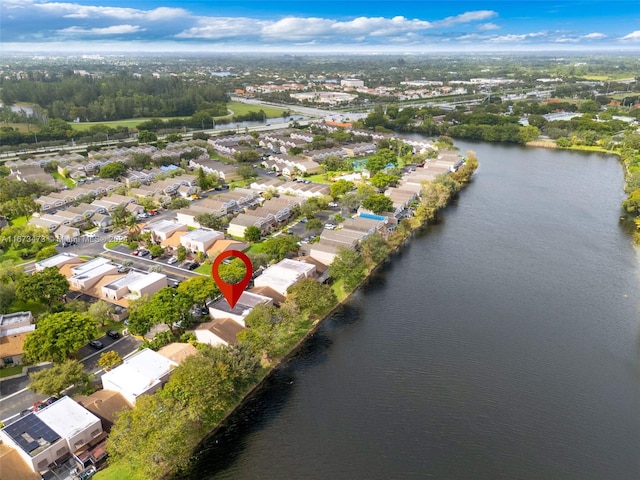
x: 91, y: 235
x: 172, y: 260
x: 119, y: 238
x: 330, y: 226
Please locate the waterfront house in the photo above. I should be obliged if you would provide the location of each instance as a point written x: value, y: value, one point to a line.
x: 219, y: 332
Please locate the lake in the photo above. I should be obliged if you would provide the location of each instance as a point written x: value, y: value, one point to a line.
x: 502, y: 343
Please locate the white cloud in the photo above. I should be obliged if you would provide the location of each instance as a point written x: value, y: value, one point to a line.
x: 73, y: 10
x: 296, y: 28
x: 633, y: 36
x: 517, y: 37
x: 466, y: 17
x: 594, y: 35
x: 112, y: 30
x: 485, y: 27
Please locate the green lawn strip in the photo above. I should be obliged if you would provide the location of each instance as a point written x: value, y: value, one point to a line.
x: 338, y: 289
x: 19, y: 221
x: 112, y: 244
x: 112, y: 325
x: 128, y: 122
x: 119, y: 471
x: 67, y: 181
x: 10, y: 371
x: 204, y: 269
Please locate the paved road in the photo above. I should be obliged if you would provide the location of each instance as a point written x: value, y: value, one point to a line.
x: 15, y: 399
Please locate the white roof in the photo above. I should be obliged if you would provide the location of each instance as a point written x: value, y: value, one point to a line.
x: 56, y: 260
x: 67, y: 418
x: 164, y: 226
x: 285, y: 273
x: 139, y: 372
x: 90, y: 265
x: 201, y: 235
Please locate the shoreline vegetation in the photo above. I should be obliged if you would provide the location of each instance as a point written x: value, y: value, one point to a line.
x: 159, y: 437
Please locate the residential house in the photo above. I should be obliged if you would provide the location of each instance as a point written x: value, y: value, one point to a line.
x: 100, y: 220
x: 284, y: 274
x: 223, y: 245
x: 85, y: 275
x: 144, y: 372
x: 66, y: 234
x: 37, y: 443
x: 220, y: 308
x: 360, y: 149
x: 14, y: 328
x: 133, y: 285
x: 225, y: 172
x: 46, y: 221
x: 239, y: 224
x: 106, y: 405
x: 323, y: 252
x: 163, y: 229
x: 85, y: 210
x: 200, y: 240
x: 76, y: 425
x: 220, y: 331
x: 178, y: 352
x: 13, y: 465
x: 58, y: 261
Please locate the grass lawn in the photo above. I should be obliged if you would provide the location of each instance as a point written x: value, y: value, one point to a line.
x: 319, y: 178
x: 131, y: 123
x: 204, y: 269
x: 338, y: 289
x: 113, y: 244
x: 10, y: 371
x: 112, y: 325
x: 19, y: 221
x: 21, y: 127
x: 67, y: 181
x: 118, y: 471
x: 20, y: 306
x: 256, y: 248
x: 240, y: 108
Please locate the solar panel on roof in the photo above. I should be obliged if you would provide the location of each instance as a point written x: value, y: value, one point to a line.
x: 34, y: 428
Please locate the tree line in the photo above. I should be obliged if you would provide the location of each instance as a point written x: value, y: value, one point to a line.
x: 113, y: 97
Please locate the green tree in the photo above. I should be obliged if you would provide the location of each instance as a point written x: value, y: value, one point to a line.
x: 47, y: 285
x: 209, y: 220
x: 178, y: 203
x: 279, y: 247
x: 314, y: 224
x: 156, y: 250
x: 378, y: 203
x: 53, y: 381
x: 46, y: 252
x: 109, y: 359
x: 252, y: 233
x: 199, y: 289
x: 181, y: 253
x: 312, y: 296
x: 348, y: 266
x: 246, y: 171
x: 7, y: 296
x: 59, y: 334
x: 232, y: 272
x: 380, y: 160
x: 101, y: 312
x: 145, y: 136
x: 374, y: 248
x: 112, y: 170
x: 166, y: 306
x: 632, y: 203
x: 341, y: 187
x: 383, y: 180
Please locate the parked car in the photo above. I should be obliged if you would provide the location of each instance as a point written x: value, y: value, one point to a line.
x: 333, y: 205
x: 330, y: 226
x: 113, y: 334
x: 143, y: 253
x: 39, y: 405
x: 97, y: 344
x: 142, y: 216
x: 191, y: 265
x: 153, y: 213
x: 135, y: 253
x: 119, y: 238
x: 172, y: 260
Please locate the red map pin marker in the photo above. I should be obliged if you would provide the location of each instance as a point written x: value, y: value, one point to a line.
x: 232, y: 291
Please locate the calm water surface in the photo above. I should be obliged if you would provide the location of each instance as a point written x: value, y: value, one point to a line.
x: 501, y: 344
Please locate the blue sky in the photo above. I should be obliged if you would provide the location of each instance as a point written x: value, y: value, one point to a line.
x: 327, y: 26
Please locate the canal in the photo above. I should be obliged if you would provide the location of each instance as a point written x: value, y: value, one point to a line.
x: 502, y: 343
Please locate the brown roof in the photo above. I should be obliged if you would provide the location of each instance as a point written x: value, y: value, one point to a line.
x: 224, y: 328
x: 65, y: 270
x: 320, y: 267
x: 96, y: 290
x: 269, y: 292
x: 178, y: 352
x: 221, y: 246
x: 173, y: 240
x: 12, y: 345
x: 13, y: 465
x: 104, y: 404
